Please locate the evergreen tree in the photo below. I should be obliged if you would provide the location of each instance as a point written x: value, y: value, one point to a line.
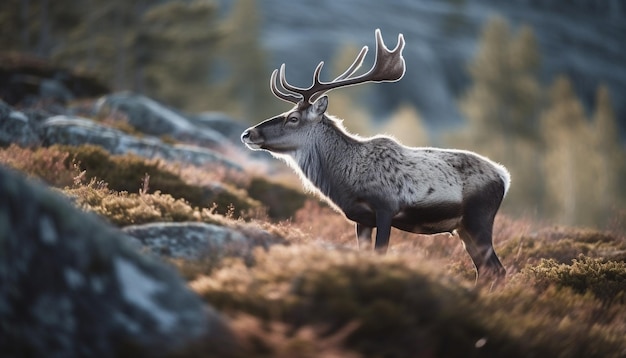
x: 347, y: 102
x: 101, y: 42
x: 611, y: 196
x: 504, y: 96
x: 176, y: 43
x: 37, y: 27
x: 571, y: 161
x: 502, y: 107
x: 248, y: 75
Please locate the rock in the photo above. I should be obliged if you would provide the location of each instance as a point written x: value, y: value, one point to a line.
x: 187, y: 240
x: 193, y: 240
x: 15, y: 127
x: 77, y: 131
x: 221, y: 123
x: 153, y: 118
x: 71, y: 286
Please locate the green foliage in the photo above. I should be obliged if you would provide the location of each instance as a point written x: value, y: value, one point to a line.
x: 606, y: 280
x: 176, y: 51
x: 244, y: 82
x: 175, y: 42
x: 564, y: 167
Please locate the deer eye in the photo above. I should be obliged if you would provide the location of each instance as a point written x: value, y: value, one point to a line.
x: 293, y: 119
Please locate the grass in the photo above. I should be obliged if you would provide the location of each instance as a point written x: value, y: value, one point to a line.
x: 317, y: 296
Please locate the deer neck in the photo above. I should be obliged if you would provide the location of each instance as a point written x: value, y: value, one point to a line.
x: 329, y: 159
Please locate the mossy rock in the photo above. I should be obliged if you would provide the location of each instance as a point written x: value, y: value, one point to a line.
x: 127, y: 173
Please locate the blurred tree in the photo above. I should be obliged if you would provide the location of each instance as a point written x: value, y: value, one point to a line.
x: 502, y: 107
x: 168, y: 49
x: 175, y: 43
x: 611, y: 196
x: 246, y: 87
x: 504, y: 96
x: 36, y: 27
x: 347, y: 102
x: 102, y: 42
x: 406, y: 125
x: 571, y: 162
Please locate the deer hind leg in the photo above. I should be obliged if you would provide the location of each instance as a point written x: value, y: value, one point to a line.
x: 363, y: 236
x: 476, y: 233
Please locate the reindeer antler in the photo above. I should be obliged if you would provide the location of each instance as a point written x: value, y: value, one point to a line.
x: 388, y: 66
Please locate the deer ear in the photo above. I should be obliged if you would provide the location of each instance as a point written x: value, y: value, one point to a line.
x: 319, y: 107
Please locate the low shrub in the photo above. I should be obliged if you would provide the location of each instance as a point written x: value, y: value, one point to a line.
x: 606, y: 280
x: 404, y: 308
x: 127, y: 173
x: 562, y: 245
x: 123, y: 208
x: 52, y: 165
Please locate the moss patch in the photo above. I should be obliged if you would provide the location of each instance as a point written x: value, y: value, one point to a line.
x: 128, y: 173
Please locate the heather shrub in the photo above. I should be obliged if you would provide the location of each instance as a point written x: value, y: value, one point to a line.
x: 127, y: 173
x: 562, y: 245
x: 399, y: 309
x: 406, y: 308
x: 606, y: 280
x: 52, y: 165
x: 123, y: 208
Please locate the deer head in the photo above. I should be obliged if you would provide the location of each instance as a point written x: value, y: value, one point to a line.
x: 288, y: 131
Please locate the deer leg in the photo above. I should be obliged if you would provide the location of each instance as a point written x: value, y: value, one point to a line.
x: 383, y: 230
x: 486, y: 262
x: 363, y: 236
x: 476, y: 233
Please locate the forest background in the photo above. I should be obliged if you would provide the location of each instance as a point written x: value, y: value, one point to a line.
x: 567, y: 160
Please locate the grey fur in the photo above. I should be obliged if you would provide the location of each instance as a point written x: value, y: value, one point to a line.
x: 379, y: 183
x: 422, y: 190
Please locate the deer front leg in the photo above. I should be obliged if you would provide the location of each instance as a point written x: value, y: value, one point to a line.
x: 383, y: 230
x: 363, y: 236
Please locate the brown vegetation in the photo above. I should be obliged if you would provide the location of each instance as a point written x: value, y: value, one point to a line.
x: 320, y: 296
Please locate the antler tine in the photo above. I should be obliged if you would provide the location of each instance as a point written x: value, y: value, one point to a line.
x: 389, y: 66
x: 278, y: 93
x: 354, y: 66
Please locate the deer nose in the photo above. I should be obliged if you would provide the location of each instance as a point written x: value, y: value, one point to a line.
x: 245, y: 135
x: 249, y: 135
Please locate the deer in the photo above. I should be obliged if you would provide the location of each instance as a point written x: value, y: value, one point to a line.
x: 377, y: 182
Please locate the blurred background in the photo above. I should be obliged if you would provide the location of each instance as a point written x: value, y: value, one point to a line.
x: 539, y: 86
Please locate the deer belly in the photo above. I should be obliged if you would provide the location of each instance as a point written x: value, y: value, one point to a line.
x: 431, y: 219
x: 362, y: 213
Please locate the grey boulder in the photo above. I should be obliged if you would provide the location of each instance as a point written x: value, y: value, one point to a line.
x: 71, y: 286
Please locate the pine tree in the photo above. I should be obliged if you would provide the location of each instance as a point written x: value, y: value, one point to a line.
x: 347, y: 102
x: 611, y: 196
x: 101, y: 42
x: 504, y: 96
x: 248, y: 76
x: 502, y: 107
x: 176, y: 42
x: 571, y: 161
